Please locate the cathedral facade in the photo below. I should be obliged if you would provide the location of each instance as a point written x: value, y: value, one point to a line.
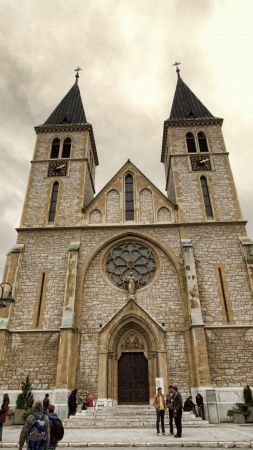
x: 116, y: 290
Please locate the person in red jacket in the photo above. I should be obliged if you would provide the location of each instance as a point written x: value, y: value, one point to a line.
x: 89, y: 400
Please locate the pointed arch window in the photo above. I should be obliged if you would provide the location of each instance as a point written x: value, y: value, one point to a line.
x: 202, y: 142
x: 66, y: 148
x: 190, y: 141
x: 129, y: 197
x: 55, y: 148
x: 206, y: 197
x: 53, y: 203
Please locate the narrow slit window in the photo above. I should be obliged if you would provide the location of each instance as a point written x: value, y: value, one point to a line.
x: 55, y: 148
x: 224, y: 299
x: 129, y: 197
x: 40, y: 299
x: 206, y: 197
x: 190, y: 141
x: 66, y: 148
x: 53, y: 202
x: 203, y: 147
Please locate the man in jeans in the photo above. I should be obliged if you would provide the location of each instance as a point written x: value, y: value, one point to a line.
x: 159, y: 404
x: 170, y: 406
x: 178, y: 410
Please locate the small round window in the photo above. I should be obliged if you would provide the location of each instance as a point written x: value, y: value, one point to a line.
x: 131, y: 258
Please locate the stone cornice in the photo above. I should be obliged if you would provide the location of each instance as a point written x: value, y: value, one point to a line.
x: 216, y: 327
x: 137, y: 225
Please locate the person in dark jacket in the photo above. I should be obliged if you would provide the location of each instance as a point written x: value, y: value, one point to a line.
x: 170, y: 406
x: 46, y: 403
x: 200, y: 406
x: 178, y: 411
x: 189, y: 405
x: 4, y: 411
x: 72, y: 402
x: 56, y: 427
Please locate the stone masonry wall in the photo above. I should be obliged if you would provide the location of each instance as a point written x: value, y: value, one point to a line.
x: 71, y: 187
x: 146, y: 206
x: 43, y: 251
x: 215, y: 246
x: 113, y: 207
x: 230, y: 353
x: 31, y: 353
x: 102, y: 300
x: 187, y: 182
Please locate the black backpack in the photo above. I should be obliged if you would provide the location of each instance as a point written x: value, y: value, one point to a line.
x: 56, y: 430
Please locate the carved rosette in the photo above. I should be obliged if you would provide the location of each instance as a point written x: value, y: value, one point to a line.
x: 131, y: 258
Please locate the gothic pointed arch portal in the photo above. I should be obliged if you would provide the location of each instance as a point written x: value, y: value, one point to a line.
x: 134, y: 342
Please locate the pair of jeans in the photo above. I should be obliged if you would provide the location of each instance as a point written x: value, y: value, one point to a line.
x: 160, y: 417
x: 1, y: 432
x: 171, y: 415
x: 178, y: 421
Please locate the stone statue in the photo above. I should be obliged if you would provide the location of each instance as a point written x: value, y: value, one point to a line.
x: 131, y: 286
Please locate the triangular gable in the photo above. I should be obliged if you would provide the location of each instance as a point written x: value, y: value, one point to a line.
x: 143, y: 188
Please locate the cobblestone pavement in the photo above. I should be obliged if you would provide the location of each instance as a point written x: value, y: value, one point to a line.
x: 214, y: 436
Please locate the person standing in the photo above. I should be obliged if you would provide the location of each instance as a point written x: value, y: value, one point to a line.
x: 72, y: 402
x: 56, y: 428
x: 170, y: 406
x: 178, y: 410
x: 46, y: 402
x: 36, y: 430
x: 4, y: 411
x: 159, y: 404
x: 200, y: 405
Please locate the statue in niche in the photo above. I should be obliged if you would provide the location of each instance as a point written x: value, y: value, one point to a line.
x: 194, y: 300
x: 131, y: 286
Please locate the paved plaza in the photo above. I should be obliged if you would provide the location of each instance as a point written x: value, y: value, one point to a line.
x: 213, y: 436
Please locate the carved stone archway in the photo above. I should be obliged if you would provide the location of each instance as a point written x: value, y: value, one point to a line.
x: 131, y: 329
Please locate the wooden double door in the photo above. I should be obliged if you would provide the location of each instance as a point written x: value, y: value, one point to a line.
x: 133, y: 386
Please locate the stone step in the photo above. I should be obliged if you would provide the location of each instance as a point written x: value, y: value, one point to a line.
x: 139, y: 416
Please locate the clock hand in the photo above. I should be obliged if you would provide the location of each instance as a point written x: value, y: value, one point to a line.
x: 61, y: 166
x: 203, y: 161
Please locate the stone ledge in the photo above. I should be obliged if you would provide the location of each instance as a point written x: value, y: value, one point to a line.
x: 161, y: 443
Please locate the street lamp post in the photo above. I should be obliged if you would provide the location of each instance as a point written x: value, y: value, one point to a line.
x: 8, y: 298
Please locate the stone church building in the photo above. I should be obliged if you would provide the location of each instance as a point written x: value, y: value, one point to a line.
x: 115, y: 290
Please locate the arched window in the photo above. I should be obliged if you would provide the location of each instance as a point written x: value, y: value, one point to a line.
x: 190, y: 141
x: 66, y: 148
x: 202, y: 142
x: 55, y: 148
x: 53, y: 202
x: 206, y: 196
x: 129, y: 197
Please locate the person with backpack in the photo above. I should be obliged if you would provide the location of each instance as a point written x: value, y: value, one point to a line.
x: 56, y: 428
x: 36, y: 431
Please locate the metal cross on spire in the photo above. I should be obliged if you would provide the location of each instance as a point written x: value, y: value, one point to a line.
x: 177, y: 69
x: 77, y: 70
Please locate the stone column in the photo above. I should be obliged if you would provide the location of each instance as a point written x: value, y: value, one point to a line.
x: 10, y: 275
x: 197, y: 326
x: 69, y: 337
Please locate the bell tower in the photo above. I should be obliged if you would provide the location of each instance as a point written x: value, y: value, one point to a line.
x: 198, y: 174
x: 62, y: 175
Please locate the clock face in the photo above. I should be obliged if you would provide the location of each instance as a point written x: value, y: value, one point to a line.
x: 200, y: 162
x: 57, y: 169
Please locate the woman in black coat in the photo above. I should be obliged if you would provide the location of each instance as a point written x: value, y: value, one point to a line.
x: 72, y: 403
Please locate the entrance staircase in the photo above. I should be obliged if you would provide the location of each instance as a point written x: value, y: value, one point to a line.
x: 126, y: 417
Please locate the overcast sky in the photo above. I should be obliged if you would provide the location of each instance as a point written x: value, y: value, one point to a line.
x: 126, y: 49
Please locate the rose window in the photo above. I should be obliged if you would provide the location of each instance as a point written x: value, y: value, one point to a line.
x: 131, y: 258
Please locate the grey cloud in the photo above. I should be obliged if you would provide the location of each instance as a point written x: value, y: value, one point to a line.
x: 126, y: 50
